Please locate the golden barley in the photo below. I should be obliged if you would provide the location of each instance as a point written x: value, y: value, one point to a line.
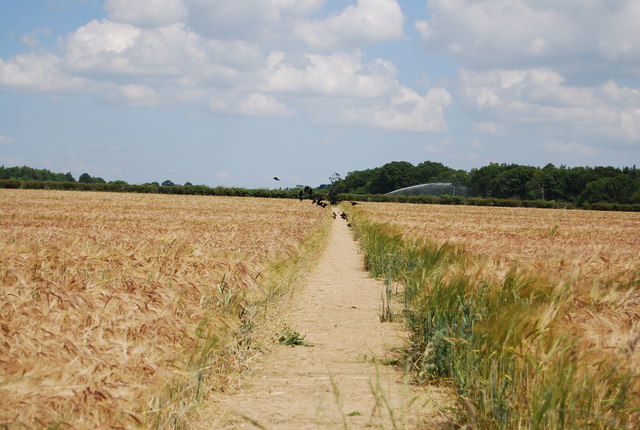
x: 105, y: 298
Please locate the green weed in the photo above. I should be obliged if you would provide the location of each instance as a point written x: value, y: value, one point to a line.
x: 291, y: 338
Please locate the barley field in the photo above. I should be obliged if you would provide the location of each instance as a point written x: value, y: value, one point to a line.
x: 532, y: 314
x: 576, y: 245
x: 116, y: 310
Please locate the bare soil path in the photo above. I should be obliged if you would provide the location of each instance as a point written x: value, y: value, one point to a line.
x: 343, y: 379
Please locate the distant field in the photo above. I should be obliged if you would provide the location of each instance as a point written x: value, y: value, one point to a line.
x: 111, y: 304
x: 581, y: 246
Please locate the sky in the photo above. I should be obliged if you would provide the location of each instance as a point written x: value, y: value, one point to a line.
x: 233, y: 93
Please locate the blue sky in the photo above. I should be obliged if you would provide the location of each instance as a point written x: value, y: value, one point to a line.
x: 233, y: 93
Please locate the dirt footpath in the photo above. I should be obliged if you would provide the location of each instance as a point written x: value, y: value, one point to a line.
x: 343, y: 379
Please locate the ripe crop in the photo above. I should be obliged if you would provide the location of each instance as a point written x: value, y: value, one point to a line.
x: 531, y: 314
x: 111, y: 305
x: 566, y: 245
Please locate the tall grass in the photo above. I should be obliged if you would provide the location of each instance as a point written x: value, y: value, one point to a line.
x: 507, y: 346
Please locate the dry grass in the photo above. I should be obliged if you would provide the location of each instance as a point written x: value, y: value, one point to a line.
x: 106, y: 300
x: 597, y: 253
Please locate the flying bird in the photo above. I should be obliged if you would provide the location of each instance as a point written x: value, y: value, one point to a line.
x: 276, y: 178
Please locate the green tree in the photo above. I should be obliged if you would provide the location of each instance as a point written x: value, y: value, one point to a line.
x: 618, y: 189
x: 547, y: 184
x: 482, y: 180
x: 512, y: 183
x: 394, y: 175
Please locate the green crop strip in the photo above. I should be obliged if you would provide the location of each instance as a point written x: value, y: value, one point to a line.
x: 503, y: 346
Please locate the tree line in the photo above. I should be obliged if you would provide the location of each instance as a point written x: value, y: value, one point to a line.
x: 605, y: 188
x: 579, y: 186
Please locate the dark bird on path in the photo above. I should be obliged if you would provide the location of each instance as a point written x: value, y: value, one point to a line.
x: 334, y: 215
x: 276, y: 178
x: 354, y: 203
x: 349, y: 225
x: 344, y: 216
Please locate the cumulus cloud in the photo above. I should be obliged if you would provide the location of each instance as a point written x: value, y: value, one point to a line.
x: 541, y: 98
x: 147, y: 12
x: 39, y: 72
x: 368, y: 21
x: 337, y: 74
x: 570, y: 35
x: 258, y: 21
x: 406, y: 110
x: 255, y: 58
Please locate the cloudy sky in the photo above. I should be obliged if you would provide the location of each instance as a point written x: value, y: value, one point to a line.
x: 221, y: 92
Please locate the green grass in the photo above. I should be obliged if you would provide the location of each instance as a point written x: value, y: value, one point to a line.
x: 504, y: 347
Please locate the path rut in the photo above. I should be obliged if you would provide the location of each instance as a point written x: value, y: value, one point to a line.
x: 341, y: 381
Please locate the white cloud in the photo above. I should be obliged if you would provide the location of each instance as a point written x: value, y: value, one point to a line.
x: 31, y: 39
x: 540, y: 97
x: 258, y: 21
x: 147, y: 12
x: 223, y: 174
x: 569, y: 148
x: 338, y: 74
x: 128, y: 95
x: 5, y: 141
x: 368, y: 21
x: 406, y: 110
x: 254, y: 104
x: 490, y: 128
x: 444, y: 146
x: 39, y: 72
x: 237, y: 58
x: 570, y: 35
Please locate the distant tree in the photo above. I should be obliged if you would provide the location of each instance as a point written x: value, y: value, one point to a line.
x: 458, y: 177
x: 168, y: 183
x: 188, y: 184
x: 547, y: 183
x: 430, y: 171
x: 512, y: 182
x: 392, y: 176
x: 88, y: 179
x: 482, y: 180
x: 618, y: 189
x: 356, y: 182
x: 25, y: 173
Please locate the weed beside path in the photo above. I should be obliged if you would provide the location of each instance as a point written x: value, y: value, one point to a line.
x: 344, y: 374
